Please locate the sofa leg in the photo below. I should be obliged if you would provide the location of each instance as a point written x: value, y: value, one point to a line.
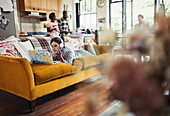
x: 32, y: 105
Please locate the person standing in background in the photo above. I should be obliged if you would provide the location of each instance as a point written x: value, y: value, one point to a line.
x: 52, y: 26
x: 142, y: 24
x: 63, y: 24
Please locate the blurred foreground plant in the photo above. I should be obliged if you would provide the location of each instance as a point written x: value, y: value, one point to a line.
x: 141, y: 85
x: 132, y: 83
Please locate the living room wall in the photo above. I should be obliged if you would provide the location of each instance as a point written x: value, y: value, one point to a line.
x: 103, y: 13
x: 12, y: 28
x: 71, y: 12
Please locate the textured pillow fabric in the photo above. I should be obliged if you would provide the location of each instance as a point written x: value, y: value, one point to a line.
x: 8, y: 50
x: 75, y: 44
x: 38, y: 43
x: 11, y: 38
x: 91, y: 50
x: 7, y: 47
x: 78, y: 43
x: 27, y: 45
x: 22, y: 50
x: 41, y: 57
x: 82, y: 53
x: 68, y: 45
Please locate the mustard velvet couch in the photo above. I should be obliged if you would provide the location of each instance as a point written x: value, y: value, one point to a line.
x: 31, y: 81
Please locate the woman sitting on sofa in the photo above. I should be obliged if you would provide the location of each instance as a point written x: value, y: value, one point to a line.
x: 63, y: 53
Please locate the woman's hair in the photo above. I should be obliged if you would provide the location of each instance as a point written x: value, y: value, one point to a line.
x: 56, y: 39
x: 51, y: 15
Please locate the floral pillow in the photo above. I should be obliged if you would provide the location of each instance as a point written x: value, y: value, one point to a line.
x: 76, y: 43
x: 40, y: 56
x: 7, y: 48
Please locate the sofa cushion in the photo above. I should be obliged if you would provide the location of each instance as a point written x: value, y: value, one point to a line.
x: 90, y: 61
x: 76, y: 66
x: 44, y: 73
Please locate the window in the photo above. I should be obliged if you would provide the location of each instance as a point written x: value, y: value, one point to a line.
x: 116, y: 0
x: 146, y: 8
x: 88, y: 14
x: 123, y: 13
x: 167, y: 7
x: 116, y: 17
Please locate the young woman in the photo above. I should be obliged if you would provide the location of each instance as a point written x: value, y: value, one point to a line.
x: 52, y: 26
x: 61, y: 52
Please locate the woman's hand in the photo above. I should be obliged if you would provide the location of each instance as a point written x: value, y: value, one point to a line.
x: 59, y: 55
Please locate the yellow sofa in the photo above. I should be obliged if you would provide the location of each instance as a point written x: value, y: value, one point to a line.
x: 19, y: 77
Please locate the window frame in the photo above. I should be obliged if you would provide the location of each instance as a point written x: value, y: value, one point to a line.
x: 86, y: 12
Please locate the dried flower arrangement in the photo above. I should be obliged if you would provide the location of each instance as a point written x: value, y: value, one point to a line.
x: 141, y: 85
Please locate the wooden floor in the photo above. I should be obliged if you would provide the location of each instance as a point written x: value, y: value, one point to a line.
x: 71, y: 101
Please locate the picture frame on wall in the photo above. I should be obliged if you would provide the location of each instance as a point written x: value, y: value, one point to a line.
x: 4, y: 22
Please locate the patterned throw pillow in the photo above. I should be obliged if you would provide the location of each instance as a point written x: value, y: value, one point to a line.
x: 22, y: 50
x: 76, y: 43
x: 38, y: 43
x: 41, y: 56
x: 11, y: 38
x: 7, y: 48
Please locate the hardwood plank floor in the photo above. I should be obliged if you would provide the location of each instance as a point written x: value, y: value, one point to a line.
x: 71, y: 101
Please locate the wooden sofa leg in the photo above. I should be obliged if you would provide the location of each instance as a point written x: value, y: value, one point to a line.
x: 32, y: 105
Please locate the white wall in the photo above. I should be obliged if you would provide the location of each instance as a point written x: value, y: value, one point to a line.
x: 71, y: 10
x: 103, y: 13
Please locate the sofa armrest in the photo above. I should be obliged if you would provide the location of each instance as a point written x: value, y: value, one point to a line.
x: 16, y: 76
x: 101, y: 49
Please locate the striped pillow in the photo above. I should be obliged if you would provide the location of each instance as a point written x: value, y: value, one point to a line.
x: 39, y: 43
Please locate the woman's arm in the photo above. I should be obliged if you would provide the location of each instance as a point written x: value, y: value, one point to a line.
x: 66, y: 56
x: 69, y: 58
x: 50, y: 30
x: 59, y: 55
